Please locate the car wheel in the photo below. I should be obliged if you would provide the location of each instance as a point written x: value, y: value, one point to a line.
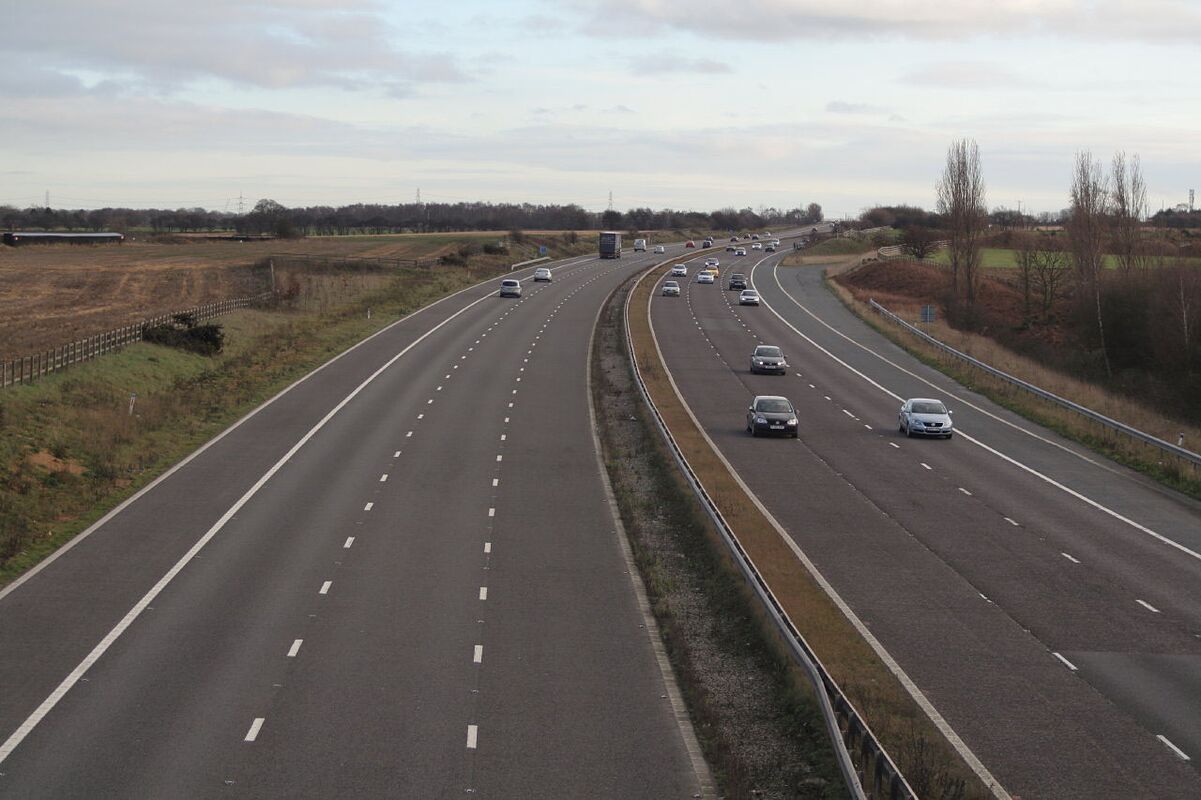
x: 754, y: 432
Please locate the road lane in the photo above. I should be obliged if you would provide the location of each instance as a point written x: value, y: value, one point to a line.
x: 383, y: 583
x: 932, y: 561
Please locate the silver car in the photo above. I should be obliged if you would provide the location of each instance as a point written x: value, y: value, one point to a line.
x: 768, y: 358
x: 748, y: 297
x: 671, y: 289
x: 510, y: 287
x: 921, y: 416
x: 543, y: 274
x: 679, y: 271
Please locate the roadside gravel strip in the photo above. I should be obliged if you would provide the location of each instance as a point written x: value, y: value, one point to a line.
x: 927, y: 752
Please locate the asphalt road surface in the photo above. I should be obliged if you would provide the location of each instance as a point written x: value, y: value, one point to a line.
x: 400, y: 578
x: 1045, y: 601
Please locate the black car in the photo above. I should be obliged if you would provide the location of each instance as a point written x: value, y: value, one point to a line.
x: 769, y: 415
x: 737, y: 282
x: 768, y: 358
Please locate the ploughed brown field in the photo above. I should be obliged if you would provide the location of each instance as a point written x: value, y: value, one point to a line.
x: 51, y: 295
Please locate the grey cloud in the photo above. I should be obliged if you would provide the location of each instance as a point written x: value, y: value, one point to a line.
x: 271, y: 43
x: 663, y: 63
x: 1176, y: 21
x: 841, y: 107
x: 965, y: 75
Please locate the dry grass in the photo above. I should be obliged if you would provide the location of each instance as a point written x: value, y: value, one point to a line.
x: 1176, y: 472
x: 891, y: 711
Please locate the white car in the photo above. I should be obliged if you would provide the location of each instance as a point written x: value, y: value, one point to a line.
x: 771, y: 248
x: 740, y: 251
x: 921, y: 416
x: 712, y: 262
x: 671, y: 289
x: 705, y: 277
x: 757, y: 246
x: 679, y: 271
x: 660, y: 248
x: 510, y: 287
x: 543, y: 274
x: 748, y: 297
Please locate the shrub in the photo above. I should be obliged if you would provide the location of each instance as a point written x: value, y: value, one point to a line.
x: 184, y: 334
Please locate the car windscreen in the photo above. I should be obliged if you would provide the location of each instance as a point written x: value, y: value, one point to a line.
x: 768, y: 352
x: 929, y: 408
x: 773, y: 406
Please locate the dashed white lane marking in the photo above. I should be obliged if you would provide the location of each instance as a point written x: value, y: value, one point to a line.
x: 519, y: 380
x: 500, y: 457
x: 487, y: 547
x: 473, y: 732
x: 325, y: 587
x: 1012, y: 522
x: 506, y: 420
x: 811, y: 386
x: 369, y: 506
x: 826, y: 396
x: 383, y: 478
x: 1172, y: 747
x: 496, y: 481
x: 869, y: 427
x: 514, y: 391
x: 492, y: 512
x: 510, y: 405
x: 446, y: 377
x: 349, y: 541
x: 1071, y: 558
x: 429, y: 402
x: 396, y: 454
x: 438, y: 389
x: 1147, y: 606
x: 409, y: 435
x: 421, y: 415
x: 965, y: 491
x: 477, y: 657
x: 1067, y: 663
x: 925, y: 465
x: 255, y: 727
x: 483, y: 592
x: 503, y: 436
x: 894, y: 444
x: 295, y: 648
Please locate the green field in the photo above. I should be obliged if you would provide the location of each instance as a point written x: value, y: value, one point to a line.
x: 1004, y: 258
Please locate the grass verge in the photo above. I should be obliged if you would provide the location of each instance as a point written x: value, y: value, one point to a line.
x: 929, y: 762
x: 73, y: 445
x: 754, y: 713
x: 1178, y: 474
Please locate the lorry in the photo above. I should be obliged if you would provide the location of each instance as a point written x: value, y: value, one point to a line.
x: 640, y: 245
x: 610, y: 244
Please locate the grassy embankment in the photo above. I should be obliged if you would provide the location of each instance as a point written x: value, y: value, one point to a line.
x: 924, y: 755
x: 70, y: 450
x: 1175, y: 473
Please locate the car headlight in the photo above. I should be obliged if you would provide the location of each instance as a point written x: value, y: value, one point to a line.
x: 792, y: 421
x: 760, y: 420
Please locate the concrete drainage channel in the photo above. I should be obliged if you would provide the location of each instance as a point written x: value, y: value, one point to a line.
x: 867, y: 769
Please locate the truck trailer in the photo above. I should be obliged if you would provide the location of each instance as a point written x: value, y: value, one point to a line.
x: 610, y: 244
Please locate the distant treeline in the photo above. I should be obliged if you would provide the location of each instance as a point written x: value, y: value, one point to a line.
x: 270, y: 217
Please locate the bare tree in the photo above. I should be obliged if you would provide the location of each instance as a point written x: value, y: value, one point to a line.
x: 961, y: 201
x: 1050, y: 272
x: 1129, y: 207
x: 1086, y: 232
x: 1027, y: 259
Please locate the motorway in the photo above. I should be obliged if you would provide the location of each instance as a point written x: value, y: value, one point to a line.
x: 1045, y: 601
x: 401, y: 577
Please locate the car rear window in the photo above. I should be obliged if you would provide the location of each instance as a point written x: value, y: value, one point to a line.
x: 774, y: 406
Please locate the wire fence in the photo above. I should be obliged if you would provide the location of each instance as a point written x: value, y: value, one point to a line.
x: 28, y: 369
x: 1166, y: 448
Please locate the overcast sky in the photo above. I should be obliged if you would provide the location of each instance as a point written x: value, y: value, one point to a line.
x: 692, y: 104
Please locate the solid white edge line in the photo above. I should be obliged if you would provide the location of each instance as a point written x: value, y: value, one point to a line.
x: 255, y: 727
x: 1183, y: 756
x: 1067, y: 663
x: 67, y: 546
x: 102, y: 646
x: 704, y: 777
x: 912, y: 688
x: 1048, y: 479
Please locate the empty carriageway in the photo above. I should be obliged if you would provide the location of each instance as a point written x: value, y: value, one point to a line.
x: 411, y: 586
